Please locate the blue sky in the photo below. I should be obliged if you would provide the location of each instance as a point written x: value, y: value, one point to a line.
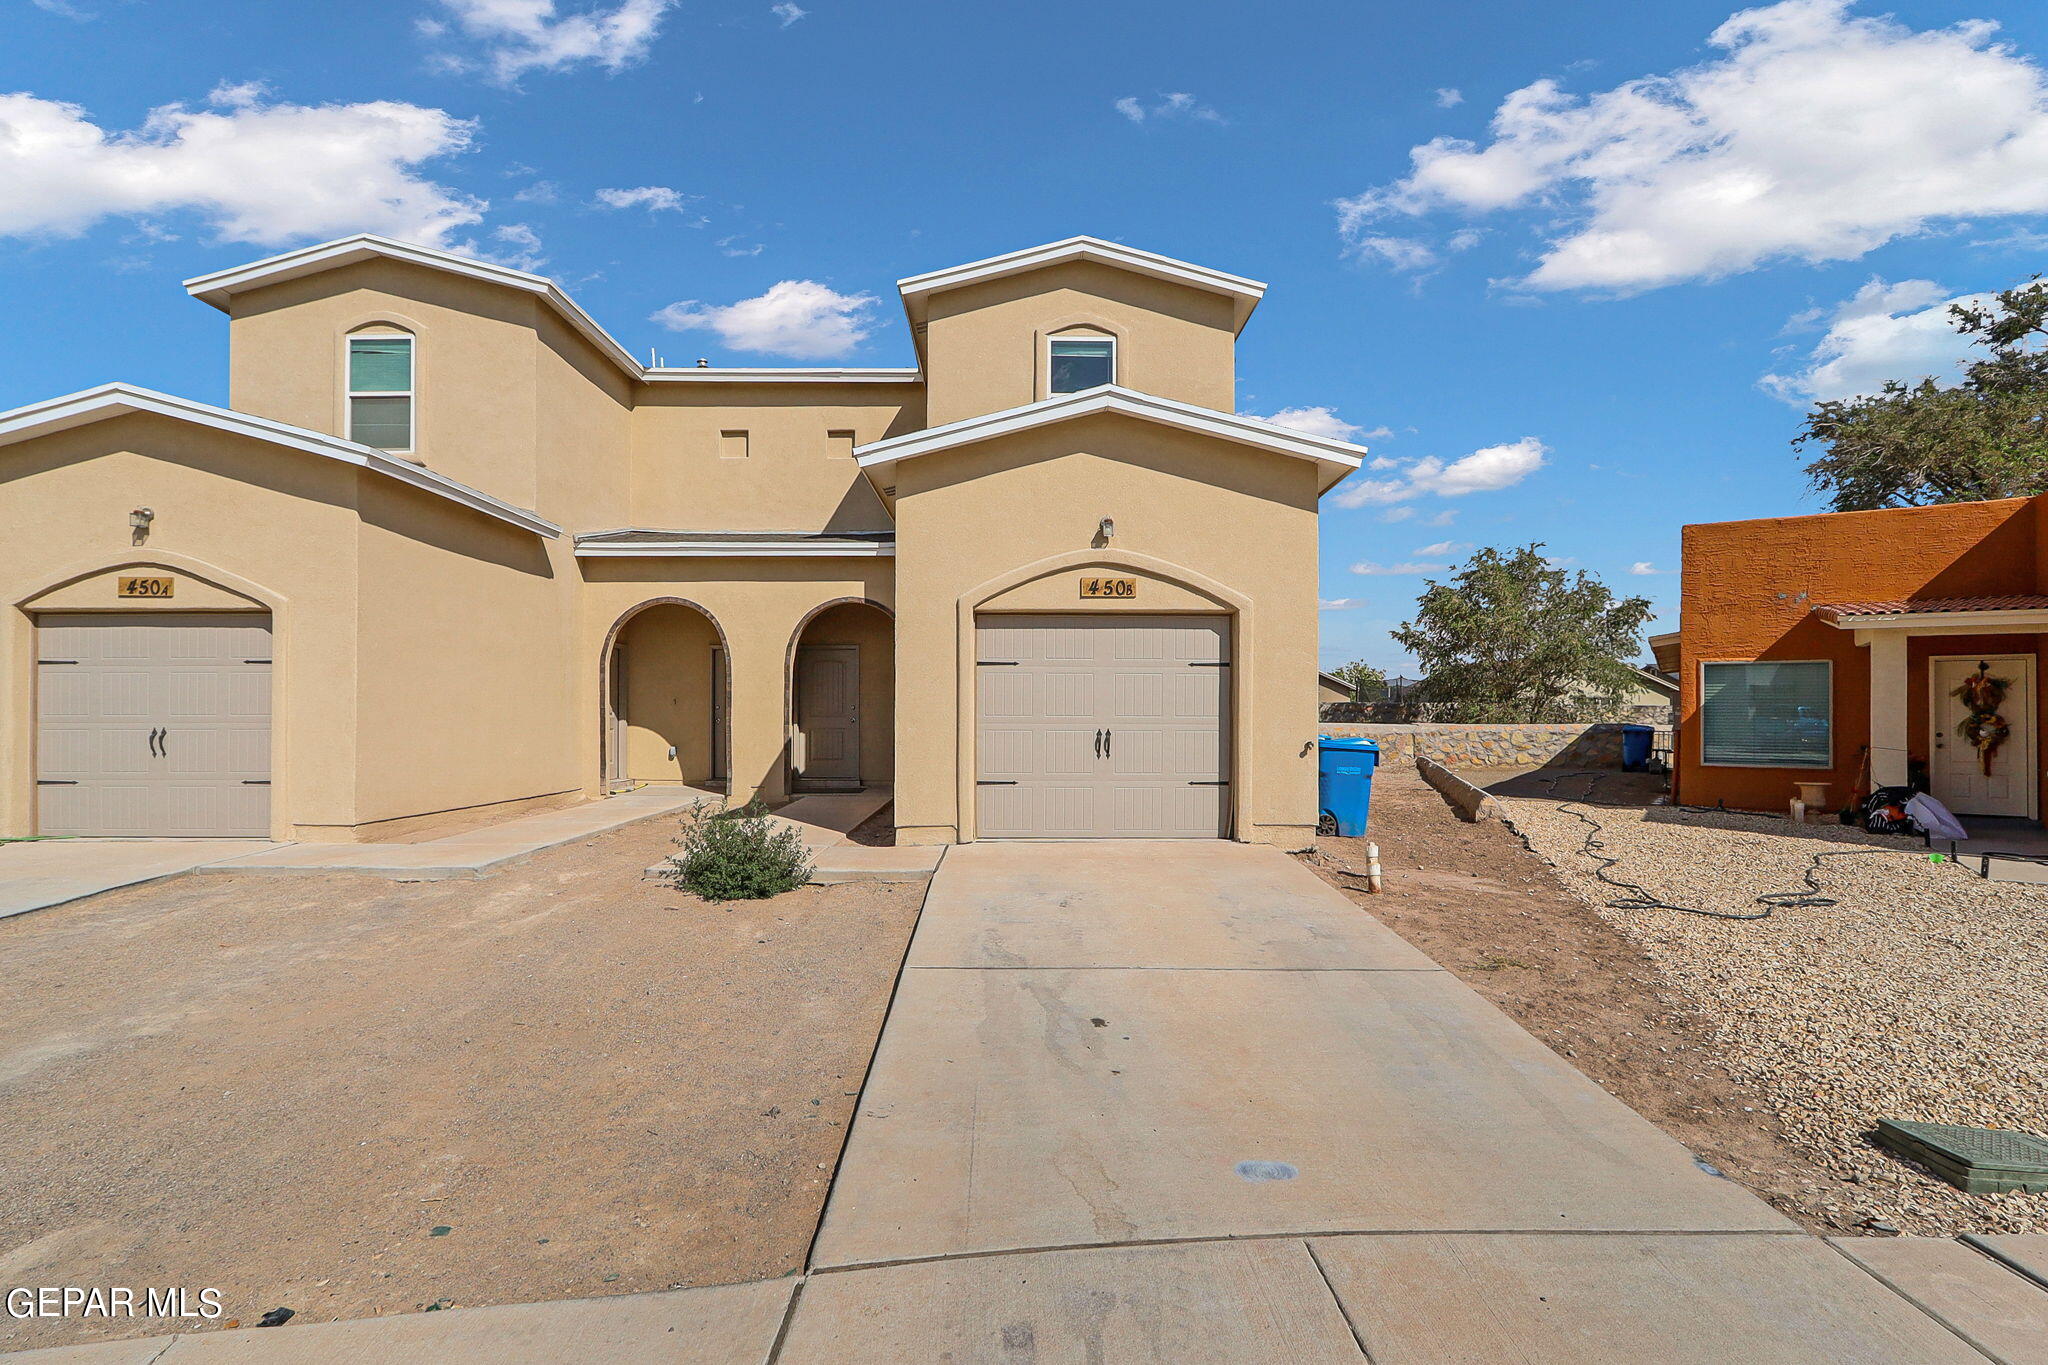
x: 1578, y: 266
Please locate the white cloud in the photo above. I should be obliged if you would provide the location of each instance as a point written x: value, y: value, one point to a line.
x: 799, y: 318
x: 1443, y: 518
x: 1643, y: 568
x: 1448, y: 97
x: 1339, y: 603
x: 514, y: 244
x: 787, y: 12
x: 1885, y: 331
x: 64, y: 10
x: 518, y: 36
x: 1393, y: 514
x: 1371, y: 569
x: 653, y: 198
x: 242, y: 166
x: 1814, y: 136
x: 1321, y: 421
x: 732, y: 246
x: 1483, y: 471
x: 1176, y: 104
x: 1442, y: 548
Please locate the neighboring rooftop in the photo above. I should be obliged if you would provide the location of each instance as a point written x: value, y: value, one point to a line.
x: 1927, y: 606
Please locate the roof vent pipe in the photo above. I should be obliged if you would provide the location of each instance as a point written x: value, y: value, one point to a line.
x: 702, y: 363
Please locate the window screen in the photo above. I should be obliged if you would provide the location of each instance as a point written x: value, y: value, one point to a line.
x: 380, y: 391
x: 1766, y: 715
x: 1078, y: 365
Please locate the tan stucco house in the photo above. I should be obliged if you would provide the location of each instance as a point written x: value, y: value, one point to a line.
x: 452, y: 548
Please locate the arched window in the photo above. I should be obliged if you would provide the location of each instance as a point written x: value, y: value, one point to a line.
x: 380, y: 389
x: 1077, y: 360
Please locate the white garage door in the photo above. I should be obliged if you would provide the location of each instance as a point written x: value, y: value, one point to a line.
x: 154, y: 723
x: 1103, y: 726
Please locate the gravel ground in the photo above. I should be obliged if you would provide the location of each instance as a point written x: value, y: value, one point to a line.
x: 1922, y: 994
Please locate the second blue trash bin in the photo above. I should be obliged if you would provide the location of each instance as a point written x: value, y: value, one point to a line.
x: 1344, y: 780
x: 1635, y: 748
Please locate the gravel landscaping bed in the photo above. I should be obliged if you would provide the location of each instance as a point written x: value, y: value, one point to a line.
x: 1921, y: 994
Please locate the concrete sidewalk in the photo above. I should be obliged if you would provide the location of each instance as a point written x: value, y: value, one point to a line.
x: 36, y: 874
x: 1186, y: 1103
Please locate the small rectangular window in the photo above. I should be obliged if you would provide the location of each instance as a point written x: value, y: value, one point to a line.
x: 1082, y: 364
x: 732, y: 445
x: 839, y: 445
x: 380, y: 391
x: 1767, y: 715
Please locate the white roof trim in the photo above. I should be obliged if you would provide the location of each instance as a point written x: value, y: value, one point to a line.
x: 115, y: 400
x: 222, y: 285
x: 679, y: 374
x: 1341, y: 457
x: 2021, y: 619
x: 731, y: 549
x: 1246, y: 292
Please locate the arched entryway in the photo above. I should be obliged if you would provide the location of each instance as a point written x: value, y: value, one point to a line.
x: 841, y: 698
x: 667, y: 697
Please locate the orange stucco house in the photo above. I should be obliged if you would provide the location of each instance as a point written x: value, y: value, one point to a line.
x: 1909, y: 638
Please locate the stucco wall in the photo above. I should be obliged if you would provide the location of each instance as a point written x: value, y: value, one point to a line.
x: 273, y: 528
x: 985, y: 344
x: 1207, y: 525
x: 666, y: 677
x: 791, y: 479
x: 1748, y: 589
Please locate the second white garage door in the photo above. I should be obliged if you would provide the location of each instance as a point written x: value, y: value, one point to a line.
x: 1103, y: 726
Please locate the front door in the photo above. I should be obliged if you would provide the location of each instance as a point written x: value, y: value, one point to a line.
x: 1982, y: 754
x: 828, y: 716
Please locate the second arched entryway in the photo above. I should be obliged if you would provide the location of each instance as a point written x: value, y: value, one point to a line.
x: 841, y: 698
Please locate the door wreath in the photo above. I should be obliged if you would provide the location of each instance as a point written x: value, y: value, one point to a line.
x: 1985, y: 729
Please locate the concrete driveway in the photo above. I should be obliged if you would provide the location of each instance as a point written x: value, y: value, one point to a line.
x: 1185, y: 1102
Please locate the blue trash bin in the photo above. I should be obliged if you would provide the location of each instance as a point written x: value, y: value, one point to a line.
x: 1344, y: 780
x: 1635, y: 747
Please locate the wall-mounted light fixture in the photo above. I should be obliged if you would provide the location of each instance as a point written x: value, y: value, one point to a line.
x: 1108, y: 530
x: 138, y: 523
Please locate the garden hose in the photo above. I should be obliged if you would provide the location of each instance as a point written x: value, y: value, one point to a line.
x: 1643, y: 899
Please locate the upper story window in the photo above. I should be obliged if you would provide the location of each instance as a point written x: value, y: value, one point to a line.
x: 380, y: 393
x: 1767, y: 715
x: 1078, y: 363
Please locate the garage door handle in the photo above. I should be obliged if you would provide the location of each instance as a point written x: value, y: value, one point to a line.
x: 1108, y: 742
x: 153, y: 733
x: 163, y: 742
x: 1098, y: 744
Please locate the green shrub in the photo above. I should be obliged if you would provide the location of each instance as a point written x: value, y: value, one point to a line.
x: 737, y: 855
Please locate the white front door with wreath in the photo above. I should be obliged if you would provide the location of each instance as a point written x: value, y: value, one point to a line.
x: 1982, y: 713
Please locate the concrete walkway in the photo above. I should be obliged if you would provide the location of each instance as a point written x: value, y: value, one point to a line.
x: 1142, y: 1102
x: 36, y: 874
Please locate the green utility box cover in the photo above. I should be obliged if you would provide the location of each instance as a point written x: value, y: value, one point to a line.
x: 1979, y: 1160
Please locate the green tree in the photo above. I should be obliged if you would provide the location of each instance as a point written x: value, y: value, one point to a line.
x: 1513, y: 638
x: 1986, y: 437
x: 1365, y: 681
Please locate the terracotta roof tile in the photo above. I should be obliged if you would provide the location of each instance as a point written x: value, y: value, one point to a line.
x: 1899, y: 605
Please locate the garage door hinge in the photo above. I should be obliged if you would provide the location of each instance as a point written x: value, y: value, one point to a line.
x: 997, y: 783
x: 995, y: 663
x: 56, y: 661
x: 255, y: 661
x: 255, y: 781
x: 1210, y: 663
x: 1223, y: 783
x: 56, y: 782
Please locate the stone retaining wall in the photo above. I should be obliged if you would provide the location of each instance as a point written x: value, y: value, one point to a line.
x: 1410, y: 713
x: 1494, y: 746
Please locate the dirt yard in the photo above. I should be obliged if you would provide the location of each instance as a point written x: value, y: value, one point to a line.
x: 1474, y: 899
x: 1769, y: 1046
x: 351, y: 1097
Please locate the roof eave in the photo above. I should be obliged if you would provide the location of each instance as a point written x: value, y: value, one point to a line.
x: 116, y: 400
x: 1336, y: 458
x: 1245, y: 293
